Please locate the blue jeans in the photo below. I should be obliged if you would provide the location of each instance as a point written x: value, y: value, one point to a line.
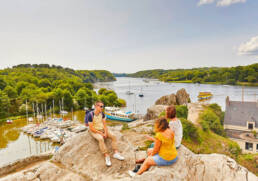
x: 161, y: 162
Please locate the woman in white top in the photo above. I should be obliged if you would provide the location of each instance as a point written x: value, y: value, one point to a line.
x: 175, y: 125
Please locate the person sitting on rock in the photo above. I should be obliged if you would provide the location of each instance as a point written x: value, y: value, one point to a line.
x: 175, y: 125
x: 164, y: 152
x: 99, y: 131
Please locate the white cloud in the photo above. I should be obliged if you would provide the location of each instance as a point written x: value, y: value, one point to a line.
x: 229, y: 2
x: 249, y: 48
x: 220, y: 2
x: 202, y: 2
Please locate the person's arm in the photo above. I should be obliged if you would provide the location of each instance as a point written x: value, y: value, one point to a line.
x: 150, y: 138
x: 105, y: 125
x: 94, y: 130
x: 156, y: 148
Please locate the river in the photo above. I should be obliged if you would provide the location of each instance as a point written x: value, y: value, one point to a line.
x: 154, y: 89
x: 16, y: 145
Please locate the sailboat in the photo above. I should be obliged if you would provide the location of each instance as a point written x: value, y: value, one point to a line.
x: 62, y: 111
x: 129, y: 91
x: 141, y: 94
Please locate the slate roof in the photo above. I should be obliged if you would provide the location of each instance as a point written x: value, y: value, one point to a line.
x: 238, y: 113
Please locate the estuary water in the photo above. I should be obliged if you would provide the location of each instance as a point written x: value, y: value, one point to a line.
x: 154, y: 89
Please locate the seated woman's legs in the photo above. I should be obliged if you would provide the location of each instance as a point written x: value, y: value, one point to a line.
x: 149, y: 151
x: 146, y: 165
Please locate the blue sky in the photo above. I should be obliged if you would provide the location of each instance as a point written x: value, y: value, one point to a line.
x: 128, y: 36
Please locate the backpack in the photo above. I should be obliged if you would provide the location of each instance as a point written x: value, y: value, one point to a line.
x: 88, y: 114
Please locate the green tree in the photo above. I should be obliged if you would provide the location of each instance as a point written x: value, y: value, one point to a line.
x: 2, y: 83
x: 68, y: 100
x: 10, y: 91
x: 4, y: 104
x: 44, y: 83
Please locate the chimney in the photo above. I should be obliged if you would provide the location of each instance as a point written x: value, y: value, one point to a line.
x: 227, y: 101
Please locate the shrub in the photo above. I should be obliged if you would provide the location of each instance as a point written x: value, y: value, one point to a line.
x: 209, y: 120
x: 190, y: 131
x: 181, y: 111
x: 234, y: 149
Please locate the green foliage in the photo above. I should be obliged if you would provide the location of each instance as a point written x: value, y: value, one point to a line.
x: 181, y: 111
x: 190, y: 131
x: 2, y: 83
x: 40, y: 84
x: 234, y: 149
x: 4, y: 104
x: 231, y: 75
x: 209, y: 120
x: 121, y: 103
x: 10, y: 91
x: 125, y: 127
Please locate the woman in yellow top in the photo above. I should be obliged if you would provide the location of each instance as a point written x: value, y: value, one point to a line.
x: 164, y: 152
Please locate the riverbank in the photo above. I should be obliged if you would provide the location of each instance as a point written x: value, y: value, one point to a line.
x: 216, y: 83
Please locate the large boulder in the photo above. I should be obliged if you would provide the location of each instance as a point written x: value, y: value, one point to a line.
x: 182, y: 97
x: 154, y: 111
x: 83, y: 155
x: 190, y: 166
x: 80, y: 159
x: 167, y: 100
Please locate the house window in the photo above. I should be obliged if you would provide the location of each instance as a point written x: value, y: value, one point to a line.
x: 249, y: 146
x: 251, y: 126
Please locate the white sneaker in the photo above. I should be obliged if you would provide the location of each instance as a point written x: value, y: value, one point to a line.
x: 131, y: 173
x: 108, y: 162
x: 118, y: 156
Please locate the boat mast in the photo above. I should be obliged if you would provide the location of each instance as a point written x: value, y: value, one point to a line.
x: 27, y: 112
x: 53, y: 107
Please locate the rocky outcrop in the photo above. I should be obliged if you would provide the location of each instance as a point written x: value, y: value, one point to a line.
x: 6, y: 169
x: 190, y: 166
x: 180, y: 98
x: 167, y: 100
x: 80, y: 159
x: 154, y: 111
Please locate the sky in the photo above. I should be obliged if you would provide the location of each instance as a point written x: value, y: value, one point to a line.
x: 126, y: 36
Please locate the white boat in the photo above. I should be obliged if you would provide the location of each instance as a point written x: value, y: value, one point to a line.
x: 9, y: 121
x: 79, y: 129
x: 63, y: 112
x: 119, y: 115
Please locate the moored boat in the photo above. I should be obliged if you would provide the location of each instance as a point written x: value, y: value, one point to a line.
x: 9, y: 121
x: 116, y: 114
x: 204, y: 95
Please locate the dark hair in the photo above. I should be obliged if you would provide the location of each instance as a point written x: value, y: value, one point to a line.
x: 171, y: 112
x: 161, y: 124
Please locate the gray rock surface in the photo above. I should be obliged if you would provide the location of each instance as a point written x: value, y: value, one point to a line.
x: 167, y: 100
x: 80, y: 159
x: 182, y: 97
x: 154, y: 111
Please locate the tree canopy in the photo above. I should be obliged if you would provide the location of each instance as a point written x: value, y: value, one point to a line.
x: 44, y: 84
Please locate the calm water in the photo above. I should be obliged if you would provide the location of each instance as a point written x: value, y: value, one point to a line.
x: 155, y: 89
x: 16, y: 145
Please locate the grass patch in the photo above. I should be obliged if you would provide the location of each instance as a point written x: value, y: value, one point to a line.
x: 125, y: 127
x: 146, y: 146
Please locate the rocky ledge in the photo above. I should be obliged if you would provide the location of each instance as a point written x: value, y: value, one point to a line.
x: 80, y: 159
